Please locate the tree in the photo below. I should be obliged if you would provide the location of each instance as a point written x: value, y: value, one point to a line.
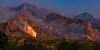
x: 31, y: 46
x: 81, y: 45
x: 64, y: 45
x: 3, y: 40
x: 97, y: 46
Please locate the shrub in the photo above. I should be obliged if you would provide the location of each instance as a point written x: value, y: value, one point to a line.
x: 64, y: 45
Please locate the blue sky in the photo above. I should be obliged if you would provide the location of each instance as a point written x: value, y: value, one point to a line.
x: 68, y: 8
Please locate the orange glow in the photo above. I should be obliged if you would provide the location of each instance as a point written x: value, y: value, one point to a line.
x: 30, y: 31
x: 90, y: 38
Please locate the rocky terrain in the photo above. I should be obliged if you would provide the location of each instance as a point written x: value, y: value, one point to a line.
x: 26, y: 27
x: 16, y: 29
x: 69, y: 28
x: 31, y: 18
x: 88, y: 17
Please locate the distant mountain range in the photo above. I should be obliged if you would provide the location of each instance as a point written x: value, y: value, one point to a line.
x: 46, y: 24
x: 30, y: 10
x: 88, y: 17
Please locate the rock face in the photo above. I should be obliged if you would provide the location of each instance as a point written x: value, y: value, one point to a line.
x: 85, y: 16
x: 17, y: 29
x: 88, y: 17
x: 70, y: 28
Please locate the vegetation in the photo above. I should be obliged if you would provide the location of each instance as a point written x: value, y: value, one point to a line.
x: 3, y: 40
x: 79, y: 45
x: 57, y: 44
x: 64, y: 45
x: 27, y: 46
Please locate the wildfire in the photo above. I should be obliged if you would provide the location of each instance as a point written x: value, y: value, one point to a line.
x: 30, y: 31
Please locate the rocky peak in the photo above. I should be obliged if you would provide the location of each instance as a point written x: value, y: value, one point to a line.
x: 25, y: 6
x: 54, y: 16
x: 88, y: 17
x: 57, y: 17
x: 85, y: 16
x: 22, y: 16
x: 86, y: 13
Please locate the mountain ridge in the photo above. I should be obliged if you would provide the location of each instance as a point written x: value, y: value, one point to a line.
x: 15, y: 29
x: 70, y: 28
x: 8, y: 13
x: 90, y: 18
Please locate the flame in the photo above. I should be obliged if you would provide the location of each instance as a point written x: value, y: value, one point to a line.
x: 30, y: 31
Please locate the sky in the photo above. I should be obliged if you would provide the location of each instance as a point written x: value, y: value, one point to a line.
x: 69, y: 8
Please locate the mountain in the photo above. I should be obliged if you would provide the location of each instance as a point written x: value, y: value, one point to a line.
x: 70, y: 28
x: 25, y: 6
x: 85, y: 16
x: 22, y: 28
x: 88, y: 17
x: 30, y: 9
x: 8, y: 13
x: 82, y: 27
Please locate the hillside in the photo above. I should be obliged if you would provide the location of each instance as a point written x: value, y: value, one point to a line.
x: 70, y: 28
x: 23, y: 28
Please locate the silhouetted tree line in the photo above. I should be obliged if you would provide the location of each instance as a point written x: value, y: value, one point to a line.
x: 3, y: 40
x: 61, y: 44
x: 79, y: 45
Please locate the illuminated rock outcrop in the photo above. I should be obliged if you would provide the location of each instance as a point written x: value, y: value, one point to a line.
x: 30, y: 31
x: 24, y: 28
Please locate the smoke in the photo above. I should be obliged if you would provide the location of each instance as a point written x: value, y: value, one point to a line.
x: 6, y: 14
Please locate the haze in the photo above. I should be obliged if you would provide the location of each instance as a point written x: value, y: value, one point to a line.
x: 69, y: 8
